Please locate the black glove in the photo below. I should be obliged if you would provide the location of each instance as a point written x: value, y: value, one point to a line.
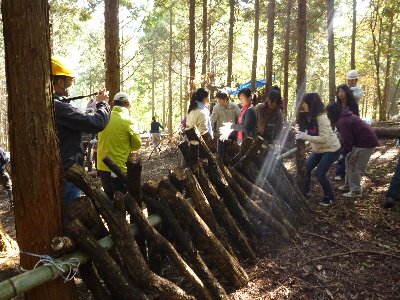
x: 103, y: 106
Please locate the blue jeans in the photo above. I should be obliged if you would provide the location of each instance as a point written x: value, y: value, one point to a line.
x: 341, y: 167
x: 394, y: 187
x: 71, y: 192
x: 322, y: 161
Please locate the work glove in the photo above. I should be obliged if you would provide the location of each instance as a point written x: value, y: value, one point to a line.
x: 103, y: 106
x: 225, y: 130
x: 297, y: 128
x: 301, y: 136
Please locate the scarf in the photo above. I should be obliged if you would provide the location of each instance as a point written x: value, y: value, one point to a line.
x: 240, y: 120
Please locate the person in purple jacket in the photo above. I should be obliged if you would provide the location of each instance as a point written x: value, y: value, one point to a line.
x: 345, y: 98
x: 359, y: 141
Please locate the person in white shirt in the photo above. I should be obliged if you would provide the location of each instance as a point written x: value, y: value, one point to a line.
x: 352, y: 80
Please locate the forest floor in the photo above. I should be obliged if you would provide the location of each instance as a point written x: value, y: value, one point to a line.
x: 350, y: 250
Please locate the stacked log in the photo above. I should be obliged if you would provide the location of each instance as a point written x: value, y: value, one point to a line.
x: 215, y: 215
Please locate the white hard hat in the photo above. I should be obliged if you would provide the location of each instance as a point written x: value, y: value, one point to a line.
x: 122, y: 97
x: 352, y: 74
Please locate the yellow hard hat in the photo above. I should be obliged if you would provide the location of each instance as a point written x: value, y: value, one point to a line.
x: 59, y: 68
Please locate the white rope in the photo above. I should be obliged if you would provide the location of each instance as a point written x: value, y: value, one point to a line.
x: 46, y: 260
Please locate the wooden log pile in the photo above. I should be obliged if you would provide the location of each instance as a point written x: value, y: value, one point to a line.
x: 215, y: 215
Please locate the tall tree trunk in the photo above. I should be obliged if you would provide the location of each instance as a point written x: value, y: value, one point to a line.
x: 187, y: 92
x: 192, y: 44
x: 394, y: 109
x: 353, y: 37
x: 301, y: 88
x: 121, y: 71
x: 270, y: 42
x: 204, y: 29
x: 230, y: 41
x: 170, y: 113
x: 330, y: 4
x: 111, y: 23
x: 385, y: 99
x: 255, y: 47
x: 163, y: 102
x: 210, y: 68
x: 153, y: 79
x: 286, y: 58
x: 181, y: 85
x: 376, y: 24
x: 36, y: 172
x: 301, y: 50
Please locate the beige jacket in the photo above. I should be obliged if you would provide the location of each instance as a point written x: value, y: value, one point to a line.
x: 197, y: 118
x: 221, y: 115
x: 326, y: 140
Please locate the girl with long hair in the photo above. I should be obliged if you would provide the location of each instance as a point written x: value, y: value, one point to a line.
x: 247, y: 120
x: 346, y: 101
x: 198, y: 112
x: 324, y: 143
x: 359, y: 141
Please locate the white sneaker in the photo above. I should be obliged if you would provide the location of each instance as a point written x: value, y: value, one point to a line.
x: 344, y: 188
x: 338, y: 178
x: 353, y: 194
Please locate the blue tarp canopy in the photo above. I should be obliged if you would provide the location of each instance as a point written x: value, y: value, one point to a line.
x: 259, y: 83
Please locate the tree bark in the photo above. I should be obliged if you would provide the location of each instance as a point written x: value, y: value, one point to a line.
x: 36, y: 172
x: 301, y: 120
x: 111, y: 40
x: 270, y: 43
x: 255, y: 45
x: 331, y: 49
x: 192, y: 44
x: 225, y: 219
x: 301, y: 79
x: 387, y: 133
x: 203, y: 237
x: 218, y: 179
x: 204, y: 30
x: 250, y: 206
x: 162, y: 243
x: 89, y: 276
x: 353, y: 37
x: 170, y: 112
x: 286, y: 58
x: 202, y: 206
x: 124, y: 239
x: 383, y: 114
x: 184, y: 244
x: 275, y: 206
x: 85, y: 211
x: 230, y: 41
x: 111, y: 273
x: 153, y: 78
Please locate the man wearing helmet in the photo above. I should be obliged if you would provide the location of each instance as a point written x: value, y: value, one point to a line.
x: 352, y: 79
x: 71, y: 122
x: 116, y: 141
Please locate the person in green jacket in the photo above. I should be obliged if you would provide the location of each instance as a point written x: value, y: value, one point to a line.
x: 117, y: 141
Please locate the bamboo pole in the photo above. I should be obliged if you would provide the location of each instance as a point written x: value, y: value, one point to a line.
x: 24, y: 282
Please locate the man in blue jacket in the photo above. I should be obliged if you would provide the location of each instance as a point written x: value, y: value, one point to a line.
x: 5, y: 180
x: 71, y: 122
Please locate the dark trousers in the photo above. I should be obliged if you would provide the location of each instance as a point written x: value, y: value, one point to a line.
x: 111, y: 184
x: 341, y: 167
x: 321, y: 161
x: 394, y: 187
